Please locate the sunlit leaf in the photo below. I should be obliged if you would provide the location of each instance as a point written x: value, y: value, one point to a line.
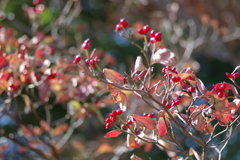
x: 120, y: 98
x: 201, y: 87
x: 148, y: 123
x: 3, y: 62
x: 113, y: 76
x: 113, y: 133
x: 165, y: 57
x: 195, y: 153
x: 162, y: 126
x: 132, y: 142
x: 104, y: 148
x: 139, y: 66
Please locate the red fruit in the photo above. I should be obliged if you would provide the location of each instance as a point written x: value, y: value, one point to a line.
x: 176, y: 79
x: 108, y: 120
x: 191, y: 89
x: 35, y: 2
x: 124, y: 23
x: 235, y: 75
x: 141, y: 31
x: 108, y: 125
x: 165, y: 102
x: 220, y: 94
x: 77, y: 59
x: 86, y: 46
x: 113, y: 114
x: 118, y: 28
x: 222, y: 87
x: 87, y: 61
x: 93, y: 63
x: 119, y: 112
x: 40, y: 53
x: 229, y: 75
x: 129, y: 122
x: 124, y: 126
x: 13, y: 87
x: 152, y: 33
x: 113, y: 119
x: 153, y: 40
x: 124, y: 80
x: 158, y: 36
x: 177, y: 101
x: 150, y: 115
x: 169, y: 106
x: 146, y: 29
x: 145, y: 114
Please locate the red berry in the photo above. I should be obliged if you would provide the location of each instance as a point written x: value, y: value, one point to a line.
x: 77, y: 59
x: 124, y: 23
x: 176, y: 79
x: 124, y: 126
x: 153, y: 40
x: 35, y: 2
x: 229, y: 75
x: 152, y: 33
x: 191, y: 89
x: 108, y: 120
x: 169, y: 106
x: 87, y: 61
x: 124, y: 80
x: 119, y: 112
x: 108, y: 125
x: 222, y: 87
x: 150, y: 115
x: 158, y: 36
x: 146, y: 29
x: 113, y: 114
x: 220, y: 94
x: 235, y: 75
x: 39, y: 8
x: 40, y: 53
x: 145, y: 114
x: 177, y: 101
x: 165, y: 102
x: 113, y: 119
x: 141, y: 31
x: 129, y: 122
x: 118, y: 28
x: 85, y: 45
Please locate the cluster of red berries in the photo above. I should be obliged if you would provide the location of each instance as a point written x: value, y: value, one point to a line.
x: 155, y: 36
x: 221, y: 90
x: 92, y: 62
x: 86, y: 44
x: 144, y: 30
x: 122, y: 24
x: 174, y: 103
x: 169, y: 70
x: 77, y: 59
x: 232, y: 75
x: 113, y: 118
x: 149, y: 115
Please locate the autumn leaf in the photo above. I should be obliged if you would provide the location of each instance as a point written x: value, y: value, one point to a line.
x: 104, y: 148
x: 148, y: 147
x: 113, y: 76
x: 165, y: 57
x: 120, y: 98
x: 45, y: 91
x: 113, y: 133
x: 148, y: 123
x: 132, y: 142
x: 162, y: 126
x: 3, y: 62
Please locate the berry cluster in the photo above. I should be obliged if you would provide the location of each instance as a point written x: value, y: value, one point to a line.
x: 221, y: 90
x: 232, y: 75
x: 144, y: 30
x: 149, y: 115
x: 155, y: 36
x: 168, y: 71
x: 122, y: 24
x: 174, y: 103
x: 86, y: 44
x: 92, y: 62
x: 113, y: 118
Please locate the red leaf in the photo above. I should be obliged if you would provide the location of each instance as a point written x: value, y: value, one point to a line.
x: 113, y: 76
x: 149, y: 123
x: 165, y: 57
x: 121, y: 99
x: 148, y: 147
x: 3, y: 63
x: 162, y: 126
x: 113, y: 133
x: 201, y: 86
x: 134, y: 157
x: 45, y: 91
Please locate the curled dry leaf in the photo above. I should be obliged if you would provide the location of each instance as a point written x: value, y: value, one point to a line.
x: 139, y: 66
x: 165, y: 57
x: 120, y: 98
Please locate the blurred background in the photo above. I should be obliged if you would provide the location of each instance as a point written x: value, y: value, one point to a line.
x: 205, y: 35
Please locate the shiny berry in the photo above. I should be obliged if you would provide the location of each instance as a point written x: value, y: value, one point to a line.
x: 153, y: 40
x: 113, y: 119
x: 177, y: 101
x: 176, y: 79
x: 158, y: 36
x: 145, y: 114
x: 108, y: 120
x: 124, y: 126
x: 191, y: 89
x: 141, y: 31
x: 152, y: 33
x: 85, y: 46
x: 222, y: 87
x: 77, y: 59
x: 124, y: 23
x: 146, y: 29
x: 119, y: 111
x: 220, y: 94
x: 169, y: 106
x: 108, y: 125
x: 129, y: 122
x: 150, y: 115
x: 113, y: 114
x: 235, y: 75
x: 118, y: 28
